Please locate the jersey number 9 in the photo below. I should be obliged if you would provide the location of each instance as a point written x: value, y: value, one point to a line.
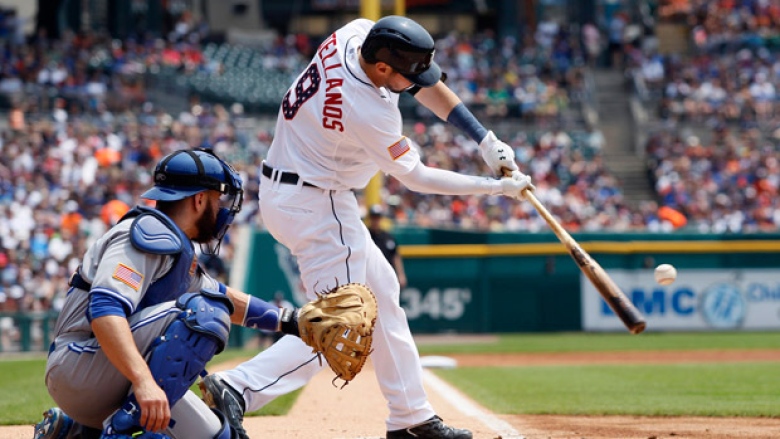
x: 305, y: 88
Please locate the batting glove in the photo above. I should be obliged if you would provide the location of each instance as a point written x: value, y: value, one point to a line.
x: 513, y: 186
x: 517, y: 175
x: 497, y: 154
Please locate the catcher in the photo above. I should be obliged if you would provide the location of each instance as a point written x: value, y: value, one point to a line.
x: 142, y: 319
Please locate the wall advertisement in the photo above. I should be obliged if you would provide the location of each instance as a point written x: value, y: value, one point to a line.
x: 737, y: 299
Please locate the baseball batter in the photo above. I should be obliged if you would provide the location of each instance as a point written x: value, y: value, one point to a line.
x: 339, y: 124
x: 142, y: 318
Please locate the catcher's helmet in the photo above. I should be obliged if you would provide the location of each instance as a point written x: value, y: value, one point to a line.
x: 185, y: 173
x: 405, y: 46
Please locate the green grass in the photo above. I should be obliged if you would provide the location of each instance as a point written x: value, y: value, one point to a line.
x: 718, y: 389
x: 23, y: 395
x: 279, y: 406
x: 605, y: 342
x: 730, y: 389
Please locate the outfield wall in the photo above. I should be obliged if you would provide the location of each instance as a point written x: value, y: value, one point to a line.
x: 518, y: 282
x: 471, y: 282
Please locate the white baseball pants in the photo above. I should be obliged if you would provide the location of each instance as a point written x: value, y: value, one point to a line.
x: 324, y: 231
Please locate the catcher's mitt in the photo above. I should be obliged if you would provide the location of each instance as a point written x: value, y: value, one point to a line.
x: 339, y: 326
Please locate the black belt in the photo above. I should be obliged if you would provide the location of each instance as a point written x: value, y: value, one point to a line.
x: 284, y: 177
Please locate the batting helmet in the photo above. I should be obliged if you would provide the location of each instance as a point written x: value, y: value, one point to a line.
x: 185, y: 173
x: 405, y: 46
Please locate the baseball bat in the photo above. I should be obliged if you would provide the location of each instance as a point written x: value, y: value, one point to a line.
x: 611, y: 293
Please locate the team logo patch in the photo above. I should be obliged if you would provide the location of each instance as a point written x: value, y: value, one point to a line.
x: 127, y: 275
x: 399, y: 148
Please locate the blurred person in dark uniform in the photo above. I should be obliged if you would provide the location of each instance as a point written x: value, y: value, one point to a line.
x: 386, y: 242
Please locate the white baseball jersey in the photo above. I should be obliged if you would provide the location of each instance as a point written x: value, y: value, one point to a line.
x: 335, y: 129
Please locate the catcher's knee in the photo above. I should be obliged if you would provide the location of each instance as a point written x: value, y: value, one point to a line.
x: 208, y: 312
x: 181, y: 353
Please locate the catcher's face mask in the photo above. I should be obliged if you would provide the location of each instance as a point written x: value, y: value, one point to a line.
x: 230, y: 201
x: 187, y: 172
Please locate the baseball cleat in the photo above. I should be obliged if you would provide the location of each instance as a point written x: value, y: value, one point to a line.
x: 218, y: 394
x: 433, y: 428
x: 55, y: 425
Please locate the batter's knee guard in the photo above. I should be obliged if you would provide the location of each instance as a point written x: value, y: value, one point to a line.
x: 179, y: 356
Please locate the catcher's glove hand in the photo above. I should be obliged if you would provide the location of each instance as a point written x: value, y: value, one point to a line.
x: 339, y: 326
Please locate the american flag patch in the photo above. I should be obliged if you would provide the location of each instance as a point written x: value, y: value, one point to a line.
x: 125, y: 274
x: 399, y: 148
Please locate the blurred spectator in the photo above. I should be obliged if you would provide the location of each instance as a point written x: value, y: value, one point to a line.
x: 591, y: 38
x: 594, y: 139
x: 16, y: 119
x: 617, y: 26
x: 386, y: 242
x: 113, y: 211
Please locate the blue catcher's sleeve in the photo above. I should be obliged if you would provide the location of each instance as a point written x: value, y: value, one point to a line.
x: 102, y: 303
x: 261, y: 315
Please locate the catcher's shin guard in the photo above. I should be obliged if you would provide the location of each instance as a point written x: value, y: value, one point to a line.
x: 179, y: 356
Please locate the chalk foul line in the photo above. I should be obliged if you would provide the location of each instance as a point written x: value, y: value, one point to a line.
x: 468, y: 408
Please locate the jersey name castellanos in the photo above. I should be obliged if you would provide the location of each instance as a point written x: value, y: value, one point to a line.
x: 335, y: 128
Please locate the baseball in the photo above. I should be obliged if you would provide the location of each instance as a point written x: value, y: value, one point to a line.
x: 665, y: 274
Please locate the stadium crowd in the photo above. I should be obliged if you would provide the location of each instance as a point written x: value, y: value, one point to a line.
x: 81, y: 138
x: 733, y: 71
x: 714, y: 159
x: 63, y: 185
x: 538, y: 78
x: 724, y: 26
x: 739, y: 87
x: 722, y: 182
x: 567, y: 168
